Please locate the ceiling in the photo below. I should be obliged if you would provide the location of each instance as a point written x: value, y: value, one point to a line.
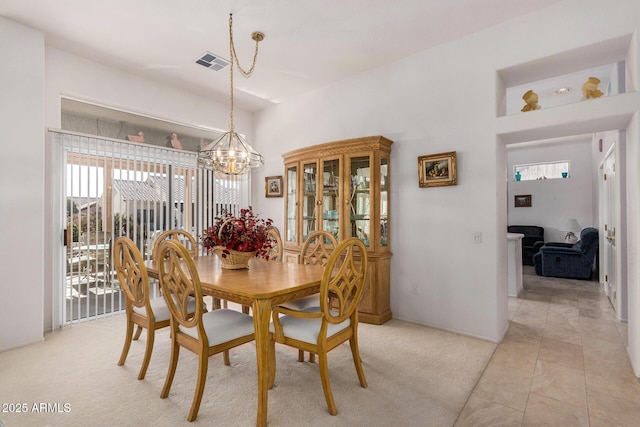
x: 307, y: 45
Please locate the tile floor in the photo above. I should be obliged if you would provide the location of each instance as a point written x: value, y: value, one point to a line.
x: 562, y: 362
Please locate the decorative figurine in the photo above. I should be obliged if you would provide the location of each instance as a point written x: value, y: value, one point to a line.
x: 174, y: 142
x: 136, y: 138
x: 590, y: 88
x: 531, y: 101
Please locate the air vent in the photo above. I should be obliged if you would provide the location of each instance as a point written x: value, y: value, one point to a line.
x: 212, y: 61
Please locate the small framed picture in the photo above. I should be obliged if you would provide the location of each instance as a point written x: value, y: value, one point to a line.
x: 437, y: 170
x: 273, y: 186
x: 522, y: 201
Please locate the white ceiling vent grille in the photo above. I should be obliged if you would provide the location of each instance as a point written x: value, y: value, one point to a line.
x: 212, y: 61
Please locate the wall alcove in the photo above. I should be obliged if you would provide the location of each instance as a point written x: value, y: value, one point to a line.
x: 607, y: 60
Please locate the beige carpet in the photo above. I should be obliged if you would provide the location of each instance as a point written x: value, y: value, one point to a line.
x: 417, y: 376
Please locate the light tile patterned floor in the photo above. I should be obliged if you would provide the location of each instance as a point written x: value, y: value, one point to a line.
x: 562, y: 363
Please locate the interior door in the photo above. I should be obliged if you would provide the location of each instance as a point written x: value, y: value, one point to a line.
x: 610, y: 217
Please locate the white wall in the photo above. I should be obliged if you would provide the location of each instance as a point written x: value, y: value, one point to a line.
x: 21, y: 184
x: 554, y: 200
x: 444, y: 99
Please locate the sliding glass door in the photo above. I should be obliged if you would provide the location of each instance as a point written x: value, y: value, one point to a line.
x: 115, y: 188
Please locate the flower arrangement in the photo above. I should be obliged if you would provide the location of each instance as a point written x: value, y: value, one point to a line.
x: 244, y: 233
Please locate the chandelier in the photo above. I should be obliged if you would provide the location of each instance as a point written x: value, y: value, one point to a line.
x: 231, y: 154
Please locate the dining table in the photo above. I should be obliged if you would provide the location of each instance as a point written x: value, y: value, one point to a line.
x: 261, y: 286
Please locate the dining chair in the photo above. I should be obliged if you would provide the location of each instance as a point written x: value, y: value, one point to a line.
x: 105, y: 262
x: 277, y: 250
x: 316, y: 250
x: 184, y: 237
x: 187, y: 240
x: 142, y: 310
x: 205, y: 334
x: 337, y: 321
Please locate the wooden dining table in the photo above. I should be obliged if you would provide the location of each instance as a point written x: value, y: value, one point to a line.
x: 261, y: 286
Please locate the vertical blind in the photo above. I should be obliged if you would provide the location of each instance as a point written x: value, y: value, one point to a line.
x: 117, y: 188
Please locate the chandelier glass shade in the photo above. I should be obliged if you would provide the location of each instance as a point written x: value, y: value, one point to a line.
x: 231, y: 154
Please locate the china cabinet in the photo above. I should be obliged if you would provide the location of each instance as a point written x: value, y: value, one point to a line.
x: 343, y: 187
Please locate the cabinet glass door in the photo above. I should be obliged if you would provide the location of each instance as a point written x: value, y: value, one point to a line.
x: 292, y: 196
x: 331, y: 197
x: 384, y: 201
x: 360, y: 199
x: 309, y: 199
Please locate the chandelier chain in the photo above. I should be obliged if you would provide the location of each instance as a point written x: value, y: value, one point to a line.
x: 234, y: 55
x: 234, y: 59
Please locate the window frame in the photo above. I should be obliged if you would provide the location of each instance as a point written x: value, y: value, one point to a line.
x: 564, y: 167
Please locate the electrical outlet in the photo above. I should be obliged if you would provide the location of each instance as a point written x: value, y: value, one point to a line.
x: 477, y: 237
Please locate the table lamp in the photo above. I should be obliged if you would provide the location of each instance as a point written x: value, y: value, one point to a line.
x: 571, y: 227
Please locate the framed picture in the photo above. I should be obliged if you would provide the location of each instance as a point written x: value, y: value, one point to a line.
x: 273, y: 186
x: 436, y: 170
x: 522, y: 201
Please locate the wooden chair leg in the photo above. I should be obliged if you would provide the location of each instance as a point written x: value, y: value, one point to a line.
x: 300, y: 356
x: 173, y: 363
x: 245, y: 309
x: 312, y: 358
x: 227, y: 361
x: 147, y: 353
x: 355, y: 352
x: 203, y: 364
x: 326, y: 385
x: 127, y: 342
x: 138, y: 332
x: 272, y: 361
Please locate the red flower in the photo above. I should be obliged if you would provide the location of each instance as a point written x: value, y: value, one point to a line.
x: 245, y: 233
